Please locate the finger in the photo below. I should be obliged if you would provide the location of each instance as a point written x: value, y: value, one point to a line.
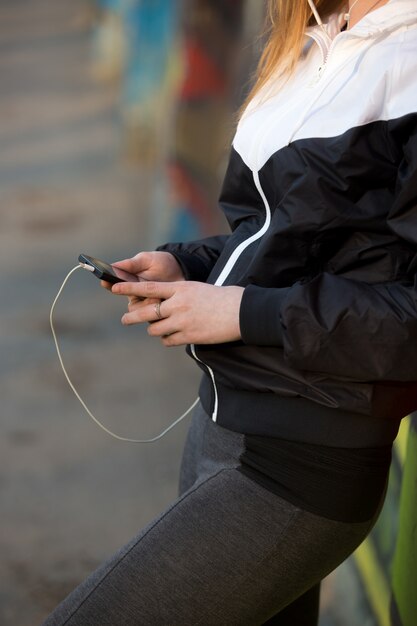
x: 106, y: 285
x: 132, y: 301
x: 126, y: 264
x: 149, y: 312
x: 135, y: 303
x: 135, y: 265
x: 148, y: 289
x: 160, y: 328
x: 172, y: 340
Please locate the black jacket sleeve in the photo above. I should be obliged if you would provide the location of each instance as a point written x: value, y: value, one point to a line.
x: 343, y: 327
x: 197, y: 258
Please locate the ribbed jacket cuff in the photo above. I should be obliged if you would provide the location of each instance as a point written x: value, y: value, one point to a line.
x: 260, y: 315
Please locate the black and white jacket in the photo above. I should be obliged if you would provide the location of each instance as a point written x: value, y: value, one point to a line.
x: 321, y: 197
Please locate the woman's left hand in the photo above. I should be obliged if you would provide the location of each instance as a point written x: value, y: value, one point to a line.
x: 184, y: 312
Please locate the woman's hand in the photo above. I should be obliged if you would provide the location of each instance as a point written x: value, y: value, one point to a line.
x: 185, y: 311
x: 151, y: 266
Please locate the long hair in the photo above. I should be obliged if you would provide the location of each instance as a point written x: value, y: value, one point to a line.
x: 286, y: 22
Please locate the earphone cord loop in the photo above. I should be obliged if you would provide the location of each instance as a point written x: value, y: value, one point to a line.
x: 109, y: 432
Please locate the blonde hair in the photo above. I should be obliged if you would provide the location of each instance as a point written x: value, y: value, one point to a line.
x: 286, y: 23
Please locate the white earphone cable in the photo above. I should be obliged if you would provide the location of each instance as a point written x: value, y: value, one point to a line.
x: 109, y: 432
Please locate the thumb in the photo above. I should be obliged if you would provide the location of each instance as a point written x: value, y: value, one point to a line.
x: 135, y: 265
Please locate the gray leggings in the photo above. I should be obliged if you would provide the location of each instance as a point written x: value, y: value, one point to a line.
x: 227, y: 552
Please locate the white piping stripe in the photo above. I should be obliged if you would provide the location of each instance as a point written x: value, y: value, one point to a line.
x: 228, y: 268
x: 242, y: 246
x: 216, y: 397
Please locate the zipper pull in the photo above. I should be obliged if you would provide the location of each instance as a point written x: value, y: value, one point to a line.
x: 318, y: 75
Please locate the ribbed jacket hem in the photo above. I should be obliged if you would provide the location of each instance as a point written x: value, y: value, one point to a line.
x: 295, y: 418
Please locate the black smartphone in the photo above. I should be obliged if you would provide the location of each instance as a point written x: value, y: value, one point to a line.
x: 107, y: 272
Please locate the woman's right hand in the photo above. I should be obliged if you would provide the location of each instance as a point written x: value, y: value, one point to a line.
x: 156, y: 266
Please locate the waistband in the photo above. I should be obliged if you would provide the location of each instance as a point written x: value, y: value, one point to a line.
x: 295, y: 418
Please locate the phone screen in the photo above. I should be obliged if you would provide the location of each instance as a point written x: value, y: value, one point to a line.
x: 108, y: 272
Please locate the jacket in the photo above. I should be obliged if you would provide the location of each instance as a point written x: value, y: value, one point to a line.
x: 321, y: 197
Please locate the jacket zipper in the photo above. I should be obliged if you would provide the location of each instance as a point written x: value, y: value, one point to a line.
x: 325, y: 50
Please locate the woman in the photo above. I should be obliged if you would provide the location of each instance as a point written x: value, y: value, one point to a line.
x: 304, y: 323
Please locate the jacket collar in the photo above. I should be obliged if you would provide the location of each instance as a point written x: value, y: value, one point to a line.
x: 389, y: 17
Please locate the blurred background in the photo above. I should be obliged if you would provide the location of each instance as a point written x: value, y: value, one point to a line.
x: 104, y: 107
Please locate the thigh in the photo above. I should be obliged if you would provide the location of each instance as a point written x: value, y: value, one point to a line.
x: 304, y: 610
x: 226, y: 553
x: 208, y: 449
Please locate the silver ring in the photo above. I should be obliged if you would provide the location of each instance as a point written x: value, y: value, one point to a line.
x: 157, y: 307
